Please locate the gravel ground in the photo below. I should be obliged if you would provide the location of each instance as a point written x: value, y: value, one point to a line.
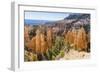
x: 73, y: 54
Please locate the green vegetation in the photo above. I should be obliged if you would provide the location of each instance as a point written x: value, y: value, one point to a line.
x: 57, y: 49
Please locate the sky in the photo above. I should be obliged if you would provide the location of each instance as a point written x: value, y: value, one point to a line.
x: 52, y: 16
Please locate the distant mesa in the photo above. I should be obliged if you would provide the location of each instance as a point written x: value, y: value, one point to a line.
x: 35, y: 22
x: 77, y: 15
